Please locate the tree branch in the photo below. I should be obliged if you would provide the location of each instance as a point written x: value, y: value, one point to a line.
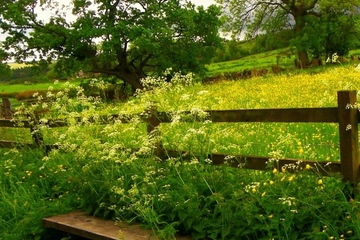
x: 144, y: 61
x: 311, y: 5
x: 267, y: 4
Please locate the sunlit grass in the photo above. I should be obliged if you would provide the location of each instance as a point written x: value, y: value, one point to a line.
x: 15, y: 65
x: 262, y: 60
x: 8, y: 88
x: 96, y: 168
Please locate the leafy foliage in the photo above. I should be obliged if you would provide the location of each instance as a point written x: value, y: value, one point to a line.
x: 4, y: 68
x: 126, y: 39
x: 316, y: 24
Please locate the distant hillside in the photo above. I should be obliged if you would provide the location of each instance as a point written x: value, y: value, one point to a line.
x: 284, y: 58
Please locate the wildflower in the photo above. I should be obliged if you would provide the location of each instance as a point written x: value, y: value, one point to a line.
x: 263, y: 194
x: 283, y: 169
x: 208, y: 161
x: 320, y: 182
x: 271, y: 182
x: 253, y: 190
x: 307, y: 167
x: 270, y: 216
x: 283, y: 178
x: 275, y: 170
x: 288, y: 201
x: 202, y: 92
x: 291, y: 178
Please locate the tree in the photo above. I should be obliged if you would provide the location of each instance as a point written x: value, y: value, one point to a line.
x: 127, y: 39
x: 258, y: 16
x: 5, y: 70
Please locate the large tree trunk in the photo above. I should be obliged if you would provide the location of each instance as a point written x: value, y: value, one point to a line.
x: 131, y: 78
x: 299, y: 17
x: 303, y: 58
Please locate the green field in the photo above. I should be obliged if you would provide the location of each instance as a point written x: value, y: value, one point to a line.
x: 10, y: 88
x: 96, y: 168
x: 284, y: 58
x: 14, y: 65
x: 262, y: 60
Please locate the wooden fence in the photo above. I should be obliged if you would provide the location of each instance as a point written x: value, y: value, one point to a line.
x: 346, y: 115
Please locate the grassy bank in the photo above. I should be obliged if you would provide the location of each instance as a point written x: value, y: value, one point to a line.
x: 96, y: 168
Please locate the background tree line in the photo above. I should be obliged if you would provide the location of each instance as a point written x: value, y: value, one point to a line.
x: 316, y: 27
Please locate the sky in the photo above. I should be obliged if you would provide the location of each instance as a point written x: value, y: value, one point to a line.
x: 205, y: 3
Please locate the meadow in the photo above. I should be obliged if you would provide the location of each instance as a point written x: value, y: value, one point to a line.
x: 284, y: 58
x: 97, y: 169
x: 20, y: 92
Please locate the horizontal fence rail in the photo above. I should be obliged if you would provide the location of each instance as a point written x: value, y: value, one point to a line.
x: 345, y: 115
x: 304, y: 115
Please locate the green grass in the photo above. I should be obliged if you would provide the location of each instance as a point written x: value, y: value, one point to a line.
x: 258, y: 61
x: 14, y: 90
x: 9, y: 88
x: 284, y: 57
x: 96, y: 169
x: 14, y: 65
x: 355, y: 52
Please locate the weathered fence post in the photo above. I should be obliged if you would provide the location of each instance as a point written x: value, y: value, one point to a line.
x: 35, y: 132
x: 153, y: 122
x: 348, y: 133
x: 6, y: 109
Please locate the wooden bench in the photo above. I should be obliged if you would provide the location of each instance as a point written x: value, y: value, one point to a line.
x: 83, y: 225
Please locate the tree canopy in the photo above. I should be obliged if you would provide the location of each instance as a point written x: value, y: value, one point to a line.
x: 317, y: 25
x: 4, y: 68
x: 127, y: 39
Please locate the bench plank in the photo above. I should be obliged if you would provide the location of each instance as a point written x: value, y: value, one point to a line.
x: 81, y: 224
